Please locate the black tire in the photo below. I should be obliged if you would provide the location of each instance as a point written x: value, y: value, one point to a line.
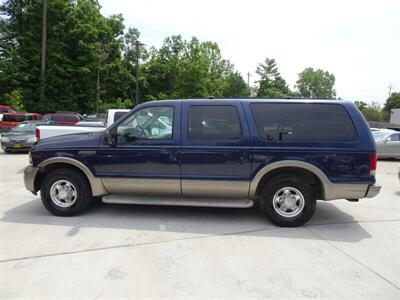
x: 280, y: 182
x: 80, y: 183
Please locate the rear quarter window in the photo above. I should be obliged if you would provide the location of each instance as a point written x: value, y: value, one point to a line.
x: 303, y: 122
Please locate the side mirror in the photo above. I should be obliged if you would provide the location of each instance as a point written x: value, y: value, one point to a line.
x: 109, y: 137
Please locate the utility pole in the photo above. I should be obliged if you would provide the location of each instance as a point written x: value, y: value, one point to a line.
x: 390, y: 89
x: 137, y: 72
x: 248, y: 79
x: 43, y: 58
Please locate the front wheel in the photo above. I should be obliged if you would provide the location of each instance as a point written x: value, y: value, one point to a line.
x: 65, y: 192
x: 288, y: 201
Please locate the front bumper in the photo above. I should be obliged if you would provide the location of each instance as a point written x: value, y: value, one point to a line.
x: 29, y: 178
x: 16, y: 146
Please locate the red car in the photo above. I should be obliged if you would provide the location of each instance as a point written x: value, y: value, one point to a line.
x: 5, y: 109
x: 63, y: 118
x: 12, y: 120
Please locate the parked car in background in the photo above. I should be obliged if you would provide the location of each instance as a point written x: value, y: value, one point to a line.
x: 21, y: 137
x: 5, y: 109
x: 282, y: 154
x: 68, y: 119
x: 112, y: 116
x: 387, y: 143
x: 14, y: 119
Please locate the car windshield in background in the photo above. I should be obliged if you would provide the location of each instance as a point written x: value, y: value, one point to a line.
x: 14, y: 118
x: 119, y: 114
x: 25, y: 127
x: 379, y: 135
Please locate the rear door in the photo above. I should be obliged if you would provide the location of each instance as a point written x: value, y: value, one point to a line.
x: 215, y: 151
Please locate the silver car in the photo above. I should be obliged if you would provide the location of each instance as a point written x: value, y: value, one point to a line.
x: 387, y: 143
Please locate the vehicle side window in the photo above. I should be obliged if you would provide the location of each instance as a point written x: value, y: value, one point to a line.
x: 213, y: 122
x: 152, y: 123
x: 394, y: 137
x: 303, y: 122
x: 29, y: 117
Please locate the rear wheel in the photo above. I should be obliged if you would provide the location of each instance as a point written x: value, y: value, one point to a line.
x: 65, y: 192
x: 288, y: 201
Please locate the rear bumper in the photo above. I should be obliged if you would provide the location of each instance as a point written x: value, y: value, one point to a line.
x: 351, y: 190
x: 373, y: 190
x: 29, y: 178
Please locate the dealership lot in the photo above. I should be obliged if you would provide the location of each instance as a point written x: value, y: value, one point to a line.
x: 347, y: 250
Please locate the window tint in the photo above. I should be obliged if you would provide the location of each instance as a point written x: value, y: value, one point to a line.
x: 152, y: 123
x: 211, y: 122
x: 395, y: 137
x: 14, y: 118
x: 67, y: 118
x: 118, y: 115
x: 303, y: 122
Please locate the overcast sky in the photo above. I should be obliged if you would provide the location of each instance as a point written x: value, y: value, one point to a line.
x: 358, y: 41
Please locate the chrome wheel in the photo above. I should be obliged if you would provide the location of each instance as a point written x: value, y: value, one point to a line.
x: 288, y: 202
x: 63, y: 193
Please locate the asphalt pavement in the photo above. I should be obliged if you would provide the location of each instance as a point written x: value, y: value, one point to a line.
x: 347, y: 250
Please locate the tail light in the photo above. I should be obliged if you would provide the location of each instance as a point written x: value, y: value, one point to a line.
x: 373, y: 159
x: 37, y: 132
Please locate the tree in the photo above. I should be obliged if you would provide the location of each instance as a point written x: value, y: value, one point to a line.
x: 235, y: 86
x: 190, y: 69
x: 271, y: 84
x: 84, y: 48
x: 392, y: 102
x: 316, y: 84
x: 373, y: 112
x: 360, y: 105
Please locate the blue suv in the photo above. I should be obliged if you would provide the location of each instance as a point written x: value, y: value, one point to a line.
x: 281, y: 154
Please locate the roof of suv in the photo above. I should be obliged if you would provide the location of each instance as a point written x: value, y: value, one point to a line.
x: 272, y: 100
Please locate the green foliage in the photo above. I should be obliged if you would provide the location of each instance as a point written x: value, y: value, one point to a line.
x: 116, y: 104
x: 392, y: 102
x: 190, y: 69
x: 374, y: 112
x: 81, y: 45
x: 14, y: 99
x: 360, y: 105
x: 316, y: 84
x: 271, y: 84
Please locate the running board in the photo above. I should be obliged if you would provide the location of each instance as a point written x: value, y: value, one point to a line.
x: 126, y: 199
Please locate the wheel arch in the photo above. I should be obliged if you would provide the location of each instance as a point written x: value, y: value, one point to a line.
x: 309, y: 172
x: 53, y: 163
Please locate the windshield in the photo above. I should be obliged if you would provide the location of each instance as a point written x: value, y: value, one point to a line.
x: 25, y: 127
x: 379, y: 135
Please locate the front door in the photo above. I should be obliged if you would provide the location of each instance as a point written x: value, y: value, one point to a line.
x: 391, y: 146
x: 215, y: 151
x: 144, y: 160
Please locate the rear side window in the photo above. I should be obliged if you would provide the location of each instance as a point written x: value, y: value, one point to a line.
x: 212, y: 122
x: 14, y: 118
x: 303, y: 122
x: 65, y: 118
x: 395, y: 137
